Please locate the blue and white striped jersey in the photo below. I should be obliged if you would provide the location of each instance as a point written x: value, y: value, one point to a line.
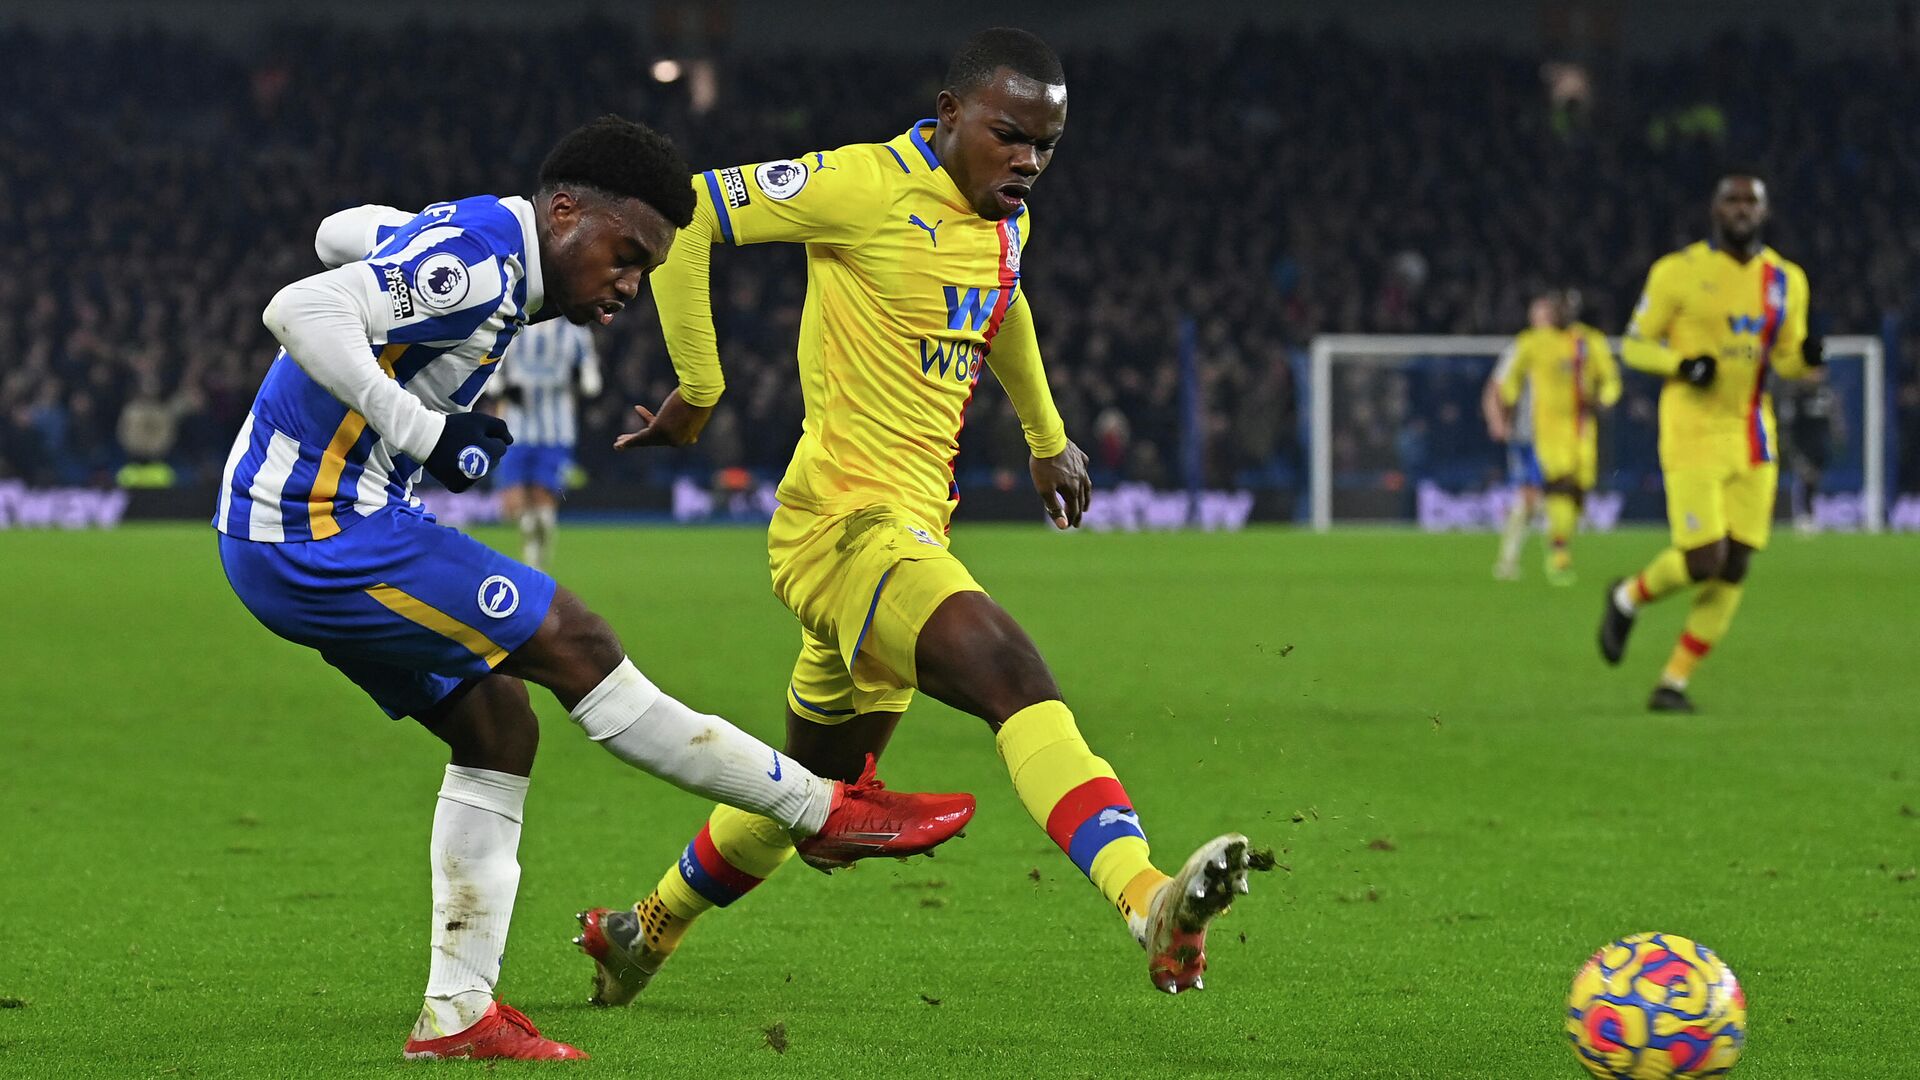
x: 449, y: 288
x: 542, y: 364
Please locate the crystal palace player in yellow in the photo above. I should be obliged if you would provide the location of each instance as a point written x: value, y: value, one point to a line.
x: 914, y: 251
x: 1570, y: 371
x: 1716, y: 317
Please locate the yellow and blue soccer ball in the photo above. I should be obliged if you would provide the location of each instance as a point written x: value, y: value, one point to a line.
x: 1656, y: 1007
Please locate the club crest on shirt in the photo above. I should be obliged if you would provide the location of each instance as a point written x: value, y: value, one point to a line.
x: 781, y: 180
x: 498, y: 597
x: 441, y: 280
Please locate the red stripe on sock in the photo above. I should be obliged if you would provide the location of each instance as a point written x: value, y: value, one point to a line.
x: 1082, y: 803
x: 716, y: 865
x: 1693, y: 644
x: 1642, y: 593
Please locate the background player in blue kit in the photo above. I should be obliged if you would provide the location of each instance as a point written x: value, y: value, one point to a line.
x: 324, y: 542
x: 546, y: 365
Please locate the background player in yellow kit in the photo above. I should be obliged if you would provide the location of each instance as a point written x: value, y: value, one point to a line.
x: 1570, y: 373
x: 914, y: 253
x: 1716, y: 317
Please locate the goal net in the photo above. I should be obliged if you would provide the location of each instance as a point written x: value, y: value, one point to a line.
x: 1396, y: 437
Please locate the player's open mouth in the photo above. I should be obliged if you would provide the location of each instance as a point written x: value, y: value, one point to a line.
x: 606, y: 310
x: 1012, y: 194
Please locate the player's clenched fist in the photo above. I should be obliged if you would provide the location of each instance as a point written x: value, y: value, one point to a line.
x: 470, y: 446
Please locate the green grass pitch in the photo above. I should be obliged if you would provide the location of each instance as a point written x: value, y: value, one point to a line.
x: 212, y: 847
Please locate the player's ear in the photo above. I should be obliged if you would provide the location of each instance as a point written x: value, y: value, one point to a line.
x: 563, y: 210
x: 947, y: 107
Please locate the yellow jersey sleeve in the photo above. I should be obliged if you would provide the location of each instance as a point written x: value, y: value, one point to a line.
x: 1606, y: 372
x: 1514, y: 375
x: 1787, y: 356
x: 1644, y: 346
x: 832, y: 197
x: 1015, y: 360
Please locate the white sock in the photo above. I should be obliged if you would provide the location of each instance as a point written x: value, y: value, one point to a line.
x: 1623, y: 598
x: 696, y: 752
x: 1513, y: 532
x: 532, y: 546
x: 476, y: 835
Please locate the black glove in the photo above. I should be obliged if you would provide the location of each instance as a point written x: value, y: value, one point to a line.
x: 470, y: 447
x: 1697, y: 370
x: 1814, y: 352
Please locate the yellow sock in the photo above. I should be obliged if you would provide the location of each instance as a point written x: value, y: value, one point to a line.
x: 733, y: 852
x: 1707, y: 622
x: 1665, y: 575
x: 1076, y: 797
x: 1563, y: 516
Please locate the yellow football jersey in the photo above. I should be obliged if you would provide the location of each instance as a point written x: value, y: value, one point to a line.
x: 1751, y: 317
x: 1572, y: 373
x: 908, y: 291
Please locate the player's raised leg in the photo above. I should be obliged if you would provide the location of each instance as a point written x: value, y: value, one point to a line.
x: 973, y: 656
x: 577, y: 656
x: 735, y: 851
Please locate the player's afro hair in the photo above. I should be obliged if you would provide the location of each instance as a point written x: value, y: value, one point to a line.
x: 1002, y: 47
x: 624, y: 159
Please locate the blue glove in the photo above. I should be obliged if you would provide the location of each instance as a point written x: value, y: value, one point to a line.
x: 472, y: 444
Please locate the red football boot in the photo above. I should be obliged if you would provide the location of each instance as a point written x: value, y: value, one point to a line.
x: 505, y: 1032
x: 867, y: 820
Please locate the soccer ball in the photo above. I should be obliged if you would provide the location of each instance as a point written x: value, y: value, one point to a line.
x: 1656, y: 1007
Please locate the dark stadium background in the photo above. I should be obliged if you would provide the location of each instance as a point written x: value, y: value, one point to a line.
x: 1234, y: 179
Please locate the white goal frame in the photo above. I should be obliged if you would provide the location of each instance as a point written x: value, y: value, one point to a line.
x: 1326, y: 349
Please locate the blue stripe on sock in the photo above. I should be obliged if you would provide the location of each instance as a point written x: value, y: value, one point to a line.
x: 1094, y: 834
x: 703, y: 883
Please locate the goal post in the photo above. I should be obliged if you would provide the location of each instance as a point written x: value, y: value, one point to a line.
x: 1396, y: 387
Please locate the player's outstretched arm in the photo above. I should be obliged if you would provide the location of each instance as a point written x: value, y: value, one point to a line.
x: 836, y: 197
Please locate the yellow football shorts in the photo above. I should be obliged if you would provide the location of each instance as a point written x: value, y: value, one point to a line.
x: 860, y: 620
x: 1709, y: 502
x: 1568, y: 456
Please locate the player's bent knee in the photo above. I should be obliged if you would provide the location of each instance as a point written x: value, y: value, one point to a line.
x: 571, y: 653
x: 1733, y: 570
x: 490, y: 725
x: 974, y: 656
x: 1707, y: 561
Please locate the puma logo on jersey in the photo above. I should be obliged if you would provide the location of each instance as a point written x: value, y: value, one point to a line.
x: 914, y: 219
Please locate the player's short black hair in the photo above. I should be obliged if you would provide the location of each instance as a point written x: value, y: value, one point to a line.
x: 621, y: 158
x: 1003, y: 47
x: 1742, y: 170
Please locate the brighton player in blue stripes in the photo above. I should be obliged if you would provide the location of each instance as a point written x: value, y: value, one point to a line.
x: 548, y: 363
x: 325, y: 543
